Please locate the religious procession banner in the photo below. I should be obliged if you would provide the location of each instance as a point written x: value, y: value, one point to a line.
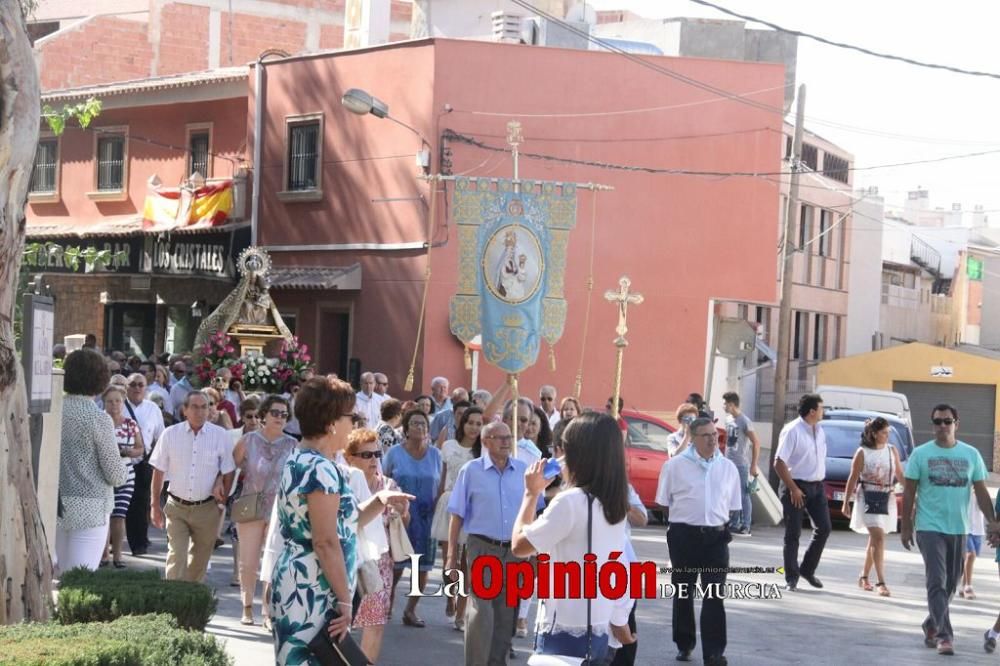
x: 206, y: 206
x: 512, y: 265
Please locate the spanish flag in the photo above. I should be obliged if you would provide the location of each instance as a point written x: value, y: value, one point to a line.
x: 206, y: 206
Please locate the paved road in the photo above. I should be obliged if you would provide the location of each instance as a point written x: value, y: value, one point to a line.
x: 838, y: 625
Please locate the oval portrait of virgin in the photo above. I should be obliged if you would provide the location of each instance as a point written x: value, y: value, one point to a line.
x: 513, y: 264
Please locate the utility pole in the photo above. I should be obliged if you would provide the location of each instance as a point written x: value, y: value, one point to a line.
x: 787, y: 263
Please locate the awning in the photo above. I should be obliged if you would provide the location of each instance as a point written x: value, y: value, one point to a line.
x: 316, y: 277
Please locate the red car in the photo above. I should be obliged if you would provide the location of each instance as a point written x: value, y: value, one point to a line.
x: 646, y: 452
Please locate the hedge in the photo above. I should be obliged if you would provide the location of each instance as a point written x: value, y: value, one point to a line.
x: 106, y: 594
x: 145, y: 640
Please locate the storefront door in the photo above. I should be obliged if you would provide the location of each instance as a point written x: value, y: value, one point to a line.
x: 131, y: 328
x: 334, y: 334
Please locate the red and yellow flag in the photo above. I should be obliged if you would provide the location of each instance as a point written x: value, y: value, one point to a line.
x: 207, y: 206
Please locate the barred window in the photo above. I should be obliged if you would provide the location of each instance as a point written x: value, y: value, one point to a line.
x: 835, y: 167
x: 303, y: 156
x: 43, y: 175
x: 110, y: 163
x: 198, y: 153
x: 810, y: 156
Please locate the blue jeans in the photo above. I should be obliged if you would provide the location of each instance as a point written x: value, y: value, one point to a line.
x: 741, y: 519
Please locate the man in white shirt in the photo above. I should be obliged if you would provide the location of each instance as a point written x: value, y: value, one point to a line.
x: 150, y: 420
x: 547, y: 401
x: 800, y: 462
x: 699, y: 488
x: 439, y: 394
x: 196, y: 458
x: 368, y: 403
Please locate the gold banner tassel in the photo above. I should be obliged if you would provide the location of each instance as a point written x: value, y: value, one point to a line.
x: 552, y: 358
x: 468, y: 359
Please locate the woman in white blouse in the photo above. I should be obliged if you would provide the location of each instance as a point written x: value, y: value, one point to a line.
x: 90, y: 464
x: 594, y: 474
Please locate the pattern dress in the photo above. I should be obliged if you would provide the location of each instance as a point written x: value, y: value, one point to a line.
x: 302, y: 602
x: 875, y: 474
x: 421, y: 479
x: 454, y: 456
x: 374, y: 608
x: 125, y: 438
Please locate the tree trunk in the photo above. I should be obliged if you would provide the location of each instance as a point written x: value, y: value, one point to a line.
x: 25, y: 565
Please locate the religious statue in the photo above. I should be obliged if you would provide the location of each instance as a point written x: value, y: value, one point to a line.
x: 247, y: 314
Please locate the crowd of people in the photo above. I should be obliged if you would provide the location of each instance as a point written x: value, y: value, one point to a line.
x: 330, y: 494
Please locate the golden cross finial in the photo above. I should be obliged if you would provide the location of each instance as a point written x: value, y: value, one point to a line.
x: 514, y: 133
x: 623, y: 298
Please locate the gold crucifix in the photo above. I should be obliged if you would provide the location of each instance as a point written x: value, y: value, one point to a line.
x: 622, y: 298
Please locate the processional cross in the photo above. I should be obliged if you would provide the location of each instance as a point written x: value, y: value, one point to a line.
x: 622, y: 298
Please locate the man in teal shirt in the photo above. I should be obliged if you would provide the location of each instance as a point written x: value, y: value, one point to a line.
x: 939, y: 476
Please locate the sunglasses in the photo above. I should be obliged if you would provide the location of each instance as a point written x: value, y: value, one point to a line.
x: 278, y: 413
x: 137, y: 384
x: 368, y: 455
x: 938, y: 422
x: 546, y: 399
x: 250, y: 415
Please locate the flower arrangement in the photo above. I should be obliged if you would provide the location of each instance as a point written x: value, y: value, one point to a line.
x: 261, y: 374
x: 293, y: 360
x: 217, y: 353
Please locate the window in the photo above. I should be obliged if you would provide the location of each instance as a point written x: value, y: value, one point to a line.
x: 825, y: 223
x: 303, y: 158
x: 799, y: 337
x: 819, y: 338
x: 810, y: 156
x: 110, y: 163
x: 44, y: 175
x: 835, y: 167
x: 805, y: 225
x: 199, y: 147
x: 644, y: 434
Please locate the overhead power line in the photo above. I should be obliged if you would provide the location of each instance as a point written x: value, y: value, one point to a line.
x: 849, y: 47
x: 452, y: 135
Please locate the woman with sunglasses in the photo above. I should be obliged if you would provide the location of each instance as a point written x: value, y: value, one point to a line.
x: 216, y: 414
x: 260, y: 456
x: 454, y: 454
x: 364, y: 453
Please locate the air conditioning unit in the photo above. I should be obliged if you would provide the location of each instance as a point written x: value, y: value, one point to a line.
x: 506, y: 27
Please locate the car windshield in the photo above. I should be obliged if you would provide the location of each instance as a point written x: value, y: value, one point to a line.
x: 647, y: 435
x: 843, y: 439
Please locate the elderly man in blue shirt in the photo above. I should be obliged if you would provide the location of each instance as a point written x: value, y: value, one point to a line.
x: 485, y: 502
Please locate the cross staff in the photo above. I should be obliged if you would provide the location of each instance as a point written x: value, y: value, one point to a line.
x: 622, y: 298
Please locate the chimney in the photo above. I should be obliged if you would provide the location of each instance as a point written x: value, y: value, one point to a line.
x: 506, y: 27
x: 366, y: 23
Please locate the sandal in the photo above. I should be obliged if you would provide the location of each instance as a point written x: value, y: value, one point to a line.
x: 247, y: 618
x: 864, y: 584
x: 883, y: 591
x: 459, y: 624
x: 968, y: 592
x: 410, y: 619
x: 266, y: 623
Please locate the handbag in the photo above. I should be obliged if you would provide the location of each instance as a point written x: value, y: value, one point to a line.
x: 344, y: 652
x: 541, y: 659
x: 399, y: 542
x: 877, y: 501
x: 249, y: 507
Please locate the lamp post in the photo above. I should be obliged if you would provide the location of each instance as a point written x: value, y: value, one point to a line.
x: 363, y: 103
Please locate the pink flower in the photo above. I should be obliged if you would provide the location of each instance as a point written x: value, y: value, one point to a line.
x: 230, y: 349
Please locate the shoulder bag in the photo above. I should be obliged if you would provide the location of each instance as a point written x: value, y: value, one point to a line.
x: 877, y: 501
x: 541, y: 659
x: 399, y: 542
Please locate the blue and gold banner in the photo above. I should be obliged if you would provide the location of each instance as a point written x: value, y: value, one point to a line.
x: 512, y: 263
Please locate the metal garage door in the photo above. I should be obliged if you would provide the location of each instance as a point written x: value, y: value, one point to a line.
x: 976, y: 404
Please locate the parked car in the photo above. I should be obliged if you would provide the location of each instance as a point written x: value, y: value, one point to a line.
x: 843, y: 437
x: 646, y: 451
x: 866, y: 399
x: 900, y: 425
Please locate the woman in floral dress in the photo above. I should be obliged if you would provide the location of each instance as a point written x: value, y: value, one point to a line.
x: 314, y: 576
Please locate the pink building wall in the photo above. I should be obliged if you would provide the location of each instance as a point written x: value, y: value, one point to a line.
x: 682, y: 239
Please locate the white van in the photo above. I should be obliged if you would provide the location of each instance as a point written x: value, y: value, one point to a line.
x: 853, y: 397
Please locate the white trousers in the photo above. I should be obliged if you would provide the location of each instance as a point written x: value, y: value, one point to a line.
x: 80, y: 548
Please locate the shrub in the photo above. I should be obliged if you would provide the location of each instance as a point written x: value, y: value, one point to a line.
x: 105, y: 594
x: 128, y: 641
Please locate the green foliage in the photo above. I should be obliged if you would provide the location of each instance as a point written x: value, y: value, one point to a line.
x: 83, y: 113
x: 128, y: 641
x: 105, y: 594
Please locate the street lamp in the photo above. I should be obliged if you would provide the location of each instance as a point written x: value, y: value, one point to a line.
x: 362, y: 103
